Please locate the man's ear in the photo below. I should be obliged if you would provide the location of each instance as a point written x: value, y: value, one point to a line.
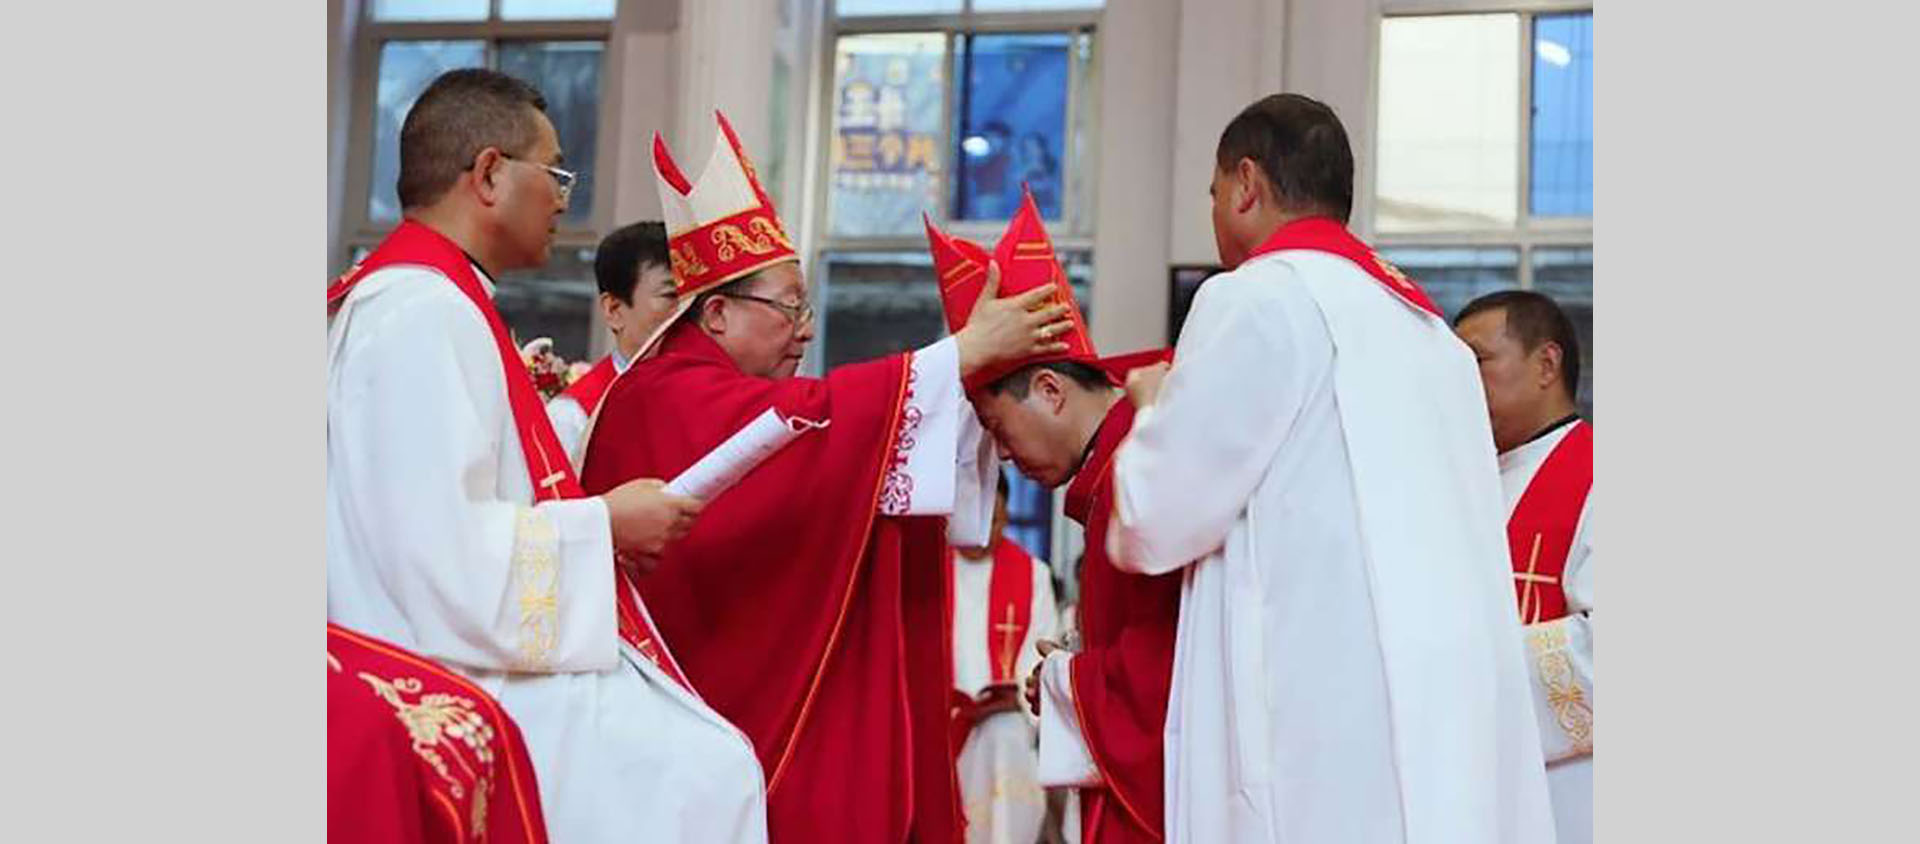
x: 1247, y: 180
x: 610, y: 306
x: 1550, y: 355
x: 1051, y: 388
x: 713, y: 315
x: 485, y: 174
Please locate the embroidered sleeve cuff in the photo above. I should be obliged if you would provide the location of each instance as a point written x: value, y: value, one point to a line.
x: 563, y: 587
x: 1064, y: 757
x: 922, y: 479
x: 1560, y: 660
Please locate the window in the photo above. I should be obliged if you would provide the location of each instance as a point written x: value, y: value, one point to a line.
x: 1484, y: 156
x: 560, y: 47
x: 945, y: 107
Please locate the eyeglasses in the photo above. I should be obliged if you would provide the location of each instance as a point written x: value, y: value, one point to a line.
x: 565, y: 179
x: 800, y: 313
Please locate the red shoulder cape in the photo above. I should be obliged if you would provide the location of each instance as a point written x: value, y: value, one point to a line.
x: 592, y: 387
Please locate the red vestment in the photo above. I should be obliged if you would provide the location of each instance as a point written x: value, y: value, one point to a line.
x: 416, y: 753
x: 1124, y: 671
x: 817, y: 626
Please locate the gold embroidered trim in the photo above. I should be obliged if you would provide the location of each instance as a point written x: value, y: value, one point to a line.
x: 732, y: 241
x: 536, y: 584
x: 686, y: 264
x: 1569, y: 703
x: 443, y: 722
x: 1393, y: 272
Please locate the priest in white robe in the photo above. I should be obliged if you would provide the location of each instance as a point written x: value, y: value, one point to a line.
x: 1530, y: 363
x: 1318, y: 462
x: 453, y: 523
x: 1002, y: 608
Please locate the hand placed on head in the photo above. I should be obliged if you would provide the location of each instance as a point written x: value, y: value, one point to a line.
x: 1012, y: 328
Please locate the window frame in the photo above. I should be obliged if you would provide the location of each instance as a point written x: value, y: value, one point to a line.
x: 1073, y: 232
x: 1074, y: 229
x: 1529, y: 232
x: 358, y: 229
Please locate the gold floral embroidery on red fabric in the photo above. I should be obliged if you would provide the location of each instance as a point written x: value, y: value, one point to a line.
x: 732, y: 241
x: 686, y: 264
x: 449, y: 734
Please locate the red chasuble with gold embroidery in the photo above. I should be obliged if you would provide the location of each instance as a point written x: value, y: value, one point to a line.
x: 815, y: 625
x: 416, y: 753
x: 1540, y: 531
x: 1124, y: 670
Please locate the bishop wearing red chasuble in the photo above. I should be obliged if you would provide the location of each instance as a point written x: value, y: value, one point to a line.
x: 808, y: 605
x: 417, y: 753
x: 1059, y: 417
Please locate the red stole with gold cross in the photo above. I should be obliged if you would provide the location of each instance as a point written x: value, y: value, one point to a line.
x: 412, y: 243
x: 1540, y: 531
x: 1009, y: 608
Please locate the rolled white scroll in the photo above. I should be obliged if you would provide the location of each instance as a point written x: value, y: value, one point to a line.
x: 733, y: 459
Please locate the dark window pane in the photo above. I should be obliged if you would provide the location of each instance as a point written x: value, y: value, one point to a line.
x: 553, y: 301
x: 1012, y: 123
x: 552, y: 10
x: 1566, y: 274
x: 1029, y: 514
x: 429, y: 10
x: 889, y: 92
x: 1562, y: 174
x: 406, y: 68
x: 1454, y: 276
x: 568, y: 75
x: 879, y: 304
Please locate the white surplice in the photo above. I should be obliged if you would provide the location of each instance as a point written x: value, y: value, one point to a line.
x: 434, y: 543
x: 999, y: 789
x: 1349, y: 665
x: 570, y: 419
x: 1560, y: 655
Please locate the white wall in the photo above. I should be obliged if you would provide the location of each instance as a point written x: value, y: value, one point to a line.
x: 342, y: 15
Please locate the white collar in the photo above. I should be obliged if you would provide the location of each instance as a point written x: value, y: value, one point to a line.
x: 1538, y: 447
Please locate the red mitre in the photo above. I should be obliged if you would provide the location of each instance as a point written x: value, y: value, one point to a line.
x: 722, y: 226
x: 1026, y: 260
